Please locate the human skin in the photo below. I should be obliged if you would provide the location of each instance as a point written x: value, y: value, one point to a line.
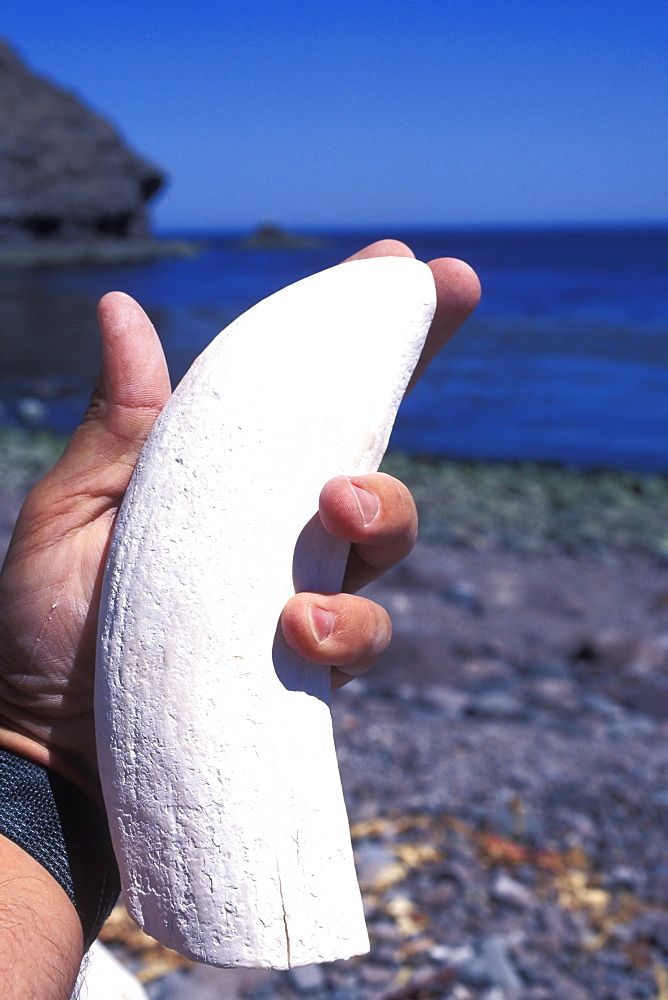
x: 49, y: 595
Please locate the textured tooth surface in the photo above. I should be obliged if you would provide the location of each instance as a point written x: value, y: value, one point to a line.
x: 215, y: 740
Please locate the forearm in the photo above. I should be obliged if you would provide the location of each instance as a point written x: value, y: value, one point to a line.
x: 41, y: 943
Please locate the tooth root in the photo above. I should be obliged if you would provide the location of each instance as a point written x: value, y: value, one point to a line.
x: 215, y: 740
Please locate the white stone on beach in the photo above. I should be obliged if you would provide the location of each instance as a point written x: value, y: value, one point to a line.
x: 215, y: 740
x: 102, y: 977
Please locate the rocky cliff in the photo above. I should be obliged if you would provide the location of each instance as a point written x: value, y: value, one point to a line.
x: 65, y: 173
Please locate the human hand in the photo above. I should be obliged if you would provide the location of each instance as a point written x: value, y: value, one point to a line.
x: 350, y: 632
x: 50, y: 582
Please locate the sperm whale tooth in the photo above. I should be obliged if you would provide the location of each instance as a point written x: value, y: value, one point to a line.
x: 215, y: 741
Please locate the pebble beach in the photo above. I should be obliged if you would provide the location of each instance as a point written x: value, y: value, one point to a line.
x: 505, y: 765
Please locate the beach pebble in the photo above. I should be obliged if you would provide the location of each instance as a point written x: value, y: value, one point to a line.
x: 492, y: 966
x: 497, y: 704
x: 371, y: 860
x: 556, y: 693
x: 452, y: 702
x: 308, y: 978
x: 375, y: 975
x: 511, y: 892
x: 102, y: 977
x: 440, y: 895
x: 33, y: 412
x: 465, y: 595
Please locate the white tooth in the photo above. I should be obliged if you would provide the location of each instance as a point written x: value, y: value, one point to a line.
x: 215, y: 740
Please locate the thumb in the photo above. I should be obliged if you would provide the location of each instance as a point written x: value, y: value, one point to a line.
x: 134, y: 381
x: 132, y: 389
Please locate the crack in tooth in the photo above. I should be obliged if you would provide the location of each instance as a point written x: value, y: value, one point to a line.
x: 285, y: 916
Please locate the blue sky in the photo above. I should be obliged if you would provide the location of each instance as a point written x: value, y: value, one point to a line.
x: 366, y: 113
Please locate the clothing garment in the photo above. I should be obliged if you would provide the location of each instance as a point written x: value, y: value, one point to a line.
x: 65, y: 831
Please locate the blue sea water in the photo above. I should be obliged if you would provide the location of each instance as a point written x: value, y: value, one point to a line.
x: 565, y: 360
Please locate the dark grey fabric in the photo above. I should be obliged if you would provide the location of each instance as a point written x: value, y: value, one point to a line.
x: 59, y: 826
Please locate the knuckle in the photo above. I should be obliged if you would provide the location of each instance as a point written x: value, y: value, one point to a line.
x: 96, y: 406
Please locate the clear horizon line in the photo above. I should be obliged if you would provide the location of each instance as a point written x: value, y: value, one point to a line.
x: 584, y: 224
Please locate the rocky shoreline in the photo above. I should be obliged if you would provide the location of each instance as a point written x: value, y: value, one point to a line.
x: 103, y: 252
x: 505, y: 766
x: 505, y: 773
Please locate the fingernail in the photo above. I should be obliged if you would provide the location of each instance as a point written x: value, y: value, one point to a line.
x: 322, y: 623
x: 367, y: 503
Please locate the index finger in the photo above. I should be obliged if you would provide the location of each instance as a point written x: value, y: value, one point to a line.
x: 377, y: 515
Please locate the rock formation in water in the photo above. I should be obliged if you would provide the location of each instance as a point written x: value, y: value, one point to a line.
x: 65, y: 173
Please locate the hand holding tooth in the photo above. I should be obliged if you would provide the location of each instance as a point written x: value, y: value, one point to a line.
x: 214, y: 738
x: 49, y: 589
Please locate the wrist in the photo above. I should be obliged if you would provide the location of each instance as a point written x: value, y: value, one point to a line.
x: 56, y: 823
x: 41, y: 940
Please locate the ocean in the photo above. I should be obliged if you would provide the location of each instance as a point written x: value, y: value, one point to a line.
x: 565, y: 360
